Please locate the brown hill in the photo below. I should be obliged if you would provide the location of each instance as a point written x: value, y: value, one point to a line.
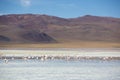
x: 44, y: 28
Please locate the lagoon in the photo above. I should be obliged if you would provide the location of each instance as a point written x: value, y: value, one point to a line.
x: 90, y: 64
x: 60, y: 70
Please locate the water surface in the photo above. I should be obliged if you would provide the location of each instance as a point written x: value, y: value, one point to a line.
x: 60, y: 70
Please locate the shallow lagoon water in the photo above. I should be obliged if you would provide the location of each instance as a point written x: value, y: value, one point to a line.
x: 60, y: 70
x: 83, y: 69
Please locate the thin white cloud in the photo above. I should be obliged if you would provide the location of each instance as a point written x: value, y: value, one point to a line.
x: 25, y: 3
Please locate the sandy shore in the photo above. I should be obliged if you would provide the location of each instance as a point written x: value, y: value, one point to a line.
x: 64, y: 44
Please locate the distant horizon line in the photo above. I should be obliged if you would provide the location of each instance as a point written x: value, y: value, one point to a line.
x: 57, y: 16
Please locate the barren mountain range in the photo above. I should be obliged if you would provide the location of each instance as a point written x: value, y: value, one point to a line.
x: 35, y: 28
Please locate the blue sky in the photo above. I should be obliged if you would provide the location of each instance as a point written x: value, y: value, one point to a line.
x: 62, y: 8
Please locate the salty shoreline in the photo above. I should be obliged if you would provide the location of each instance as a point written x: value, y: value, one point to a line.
x: 61, y: 53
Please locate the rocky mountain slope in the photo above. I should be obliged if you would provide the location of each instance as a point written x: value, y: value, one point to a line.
x: 43, y: 28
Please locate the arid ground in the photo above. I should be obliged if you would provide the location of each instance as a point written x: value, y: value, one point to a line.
x: 76, y: 44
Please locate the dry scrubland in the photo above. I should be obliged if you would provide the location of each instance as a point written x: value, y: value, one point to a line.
x: 68, y: 44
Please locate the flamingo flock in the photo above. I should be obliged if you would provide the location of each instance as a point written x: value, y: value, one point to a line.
x: 46, y: 57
